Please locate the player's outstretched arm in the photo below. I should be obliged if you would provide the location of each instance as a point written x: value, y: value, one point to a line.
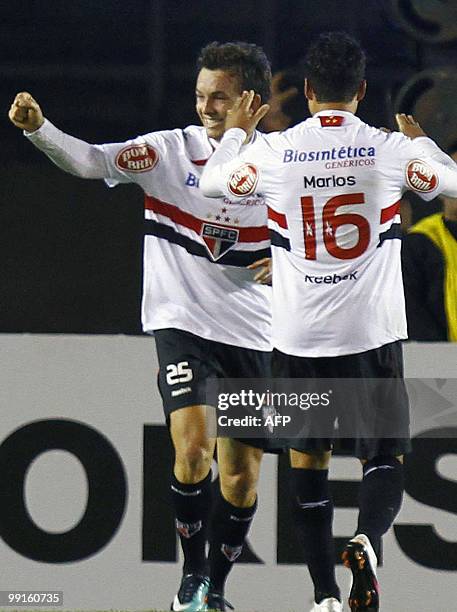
x: 70, y: 154
x: 25, y: 112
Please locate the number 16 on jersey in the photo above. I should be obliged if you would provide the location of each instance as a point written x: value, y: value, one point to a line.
x: 331, y: 222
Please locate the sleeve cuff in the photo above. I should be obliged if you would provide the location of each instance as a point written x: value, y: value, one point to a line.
x: 235, y: 133
x: 43, y: 130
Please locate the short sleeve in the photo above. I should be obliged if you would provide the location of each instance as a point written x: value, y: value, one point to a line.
x: 428, y: 171
x: 135, y: 159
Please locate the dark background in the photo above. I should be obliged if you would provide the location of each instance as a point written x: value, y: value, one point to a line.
x: 71, y: 250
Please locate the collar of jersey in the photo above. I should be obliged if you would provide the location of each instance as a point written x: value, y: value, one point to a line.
x: 216, y: 143
x: 349, y: 117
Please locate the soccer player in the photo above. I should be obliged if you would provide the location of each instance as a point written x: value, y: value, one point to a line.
x: 333, y: 185
x: 209, y: 317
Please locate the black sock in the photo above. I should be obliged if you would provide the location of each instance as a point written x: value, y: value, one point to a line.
x: 229, y: 528
x: 192, y: 504
x: 380, y: 497
x: 313, y: 509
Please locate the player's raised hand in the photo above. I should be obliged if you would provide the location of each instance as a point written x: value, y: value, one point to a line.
x: 264, y: 267
x: 26, y: 113
x: 246, y: 112
x: 409, y: 126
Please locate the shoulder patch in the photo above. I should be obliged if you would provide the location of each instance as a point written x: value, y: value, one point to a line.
x: 420, y: 176
x: 243, y: 180
x: 137, y: 158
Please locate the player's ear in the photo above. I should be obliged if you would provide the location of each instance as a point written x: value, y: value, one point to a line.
x: 309, y: 91
x: 362, y: 90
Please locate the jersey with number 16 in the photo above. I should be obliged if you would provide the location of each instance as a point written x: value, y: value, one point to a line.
x: 333, y: 186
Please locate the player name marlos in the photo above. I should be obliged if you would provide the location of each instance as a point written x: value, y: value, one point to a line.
x: 316, y: 182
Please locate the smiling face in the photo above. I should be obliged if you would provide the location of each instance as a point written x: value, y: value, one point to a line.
x: 216, y: 92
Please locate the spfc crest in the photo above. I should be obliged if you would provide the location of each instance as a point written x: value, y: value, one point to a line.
x: 219, y: 240
x: 231, y: 552
x: 187, y: 530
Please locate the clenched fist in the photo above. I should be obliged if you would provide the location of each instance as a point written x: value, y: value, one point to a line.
x: 26, y: 113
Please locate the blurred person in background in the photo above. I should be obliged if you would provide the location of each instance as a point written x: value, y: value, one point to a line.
x: 429, y: 256
x: 287, y: 105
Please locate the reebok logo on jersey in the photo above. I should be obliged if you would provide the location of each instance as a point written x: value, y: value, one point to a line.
x: 137, y: 158
x: 420, y: 176
x: 317, y: 182
x: 330, y: 279
x: 243, y: 181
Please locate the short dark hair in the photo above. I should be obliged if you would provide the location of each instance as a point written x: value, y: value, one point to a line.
x: 335, y: 66
x: 245, y: 60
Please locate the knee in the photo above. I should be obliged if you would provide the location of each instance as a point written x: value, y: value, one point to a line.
x: 239, y: 487
x: 310, y: 461
x: 193, y: 459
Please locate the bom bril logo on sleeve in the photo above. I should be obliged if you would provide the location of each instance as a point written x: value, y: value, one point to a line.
x: 243, y: 181
x: 420, y: 176
x: 137, y: 158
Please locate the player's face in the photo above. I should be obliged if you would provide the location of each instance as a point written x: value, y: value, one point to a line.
x: 216, y: 92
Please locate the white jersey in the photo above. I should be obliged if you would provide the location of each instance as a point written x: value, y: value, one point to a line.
x: 196, y: 249
x: 333, y: 186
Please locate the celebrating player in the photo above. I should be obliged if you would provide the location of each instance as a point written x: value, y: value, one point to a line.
x: 209, y: 317
x: 333, y: 186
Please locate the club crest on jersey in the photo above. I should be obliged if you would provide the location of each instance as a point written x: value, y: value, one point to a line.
x: 137, y: 158
x: 218, y: 240
x: 420, y: 176
x: 243, y: 181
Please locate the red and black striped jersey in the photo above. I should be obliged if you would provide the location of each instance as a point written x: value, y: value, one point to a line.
x: 196, y: 249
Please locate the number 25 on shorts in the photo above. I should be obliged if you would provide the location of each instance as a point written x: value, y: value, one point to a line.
x: 179, y: 373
